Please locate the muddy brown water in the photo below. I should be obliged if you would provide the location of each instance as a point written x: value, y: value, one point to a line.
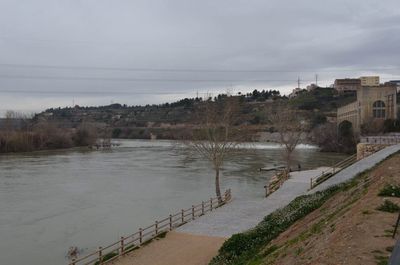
x: 52, y: 200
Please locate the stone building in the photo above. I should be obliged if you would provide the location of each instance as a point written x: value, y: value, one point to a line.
x: 370, y: 81
x: 373, y: 103
x: 347, y: 85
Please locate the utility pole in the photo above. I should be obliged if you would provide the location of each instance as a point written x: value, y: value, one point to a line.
x: 316, y: 79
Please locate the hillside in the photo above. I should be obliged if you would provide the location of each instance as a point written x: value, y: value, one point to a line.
x: 165, y: 121
x: 341, y: 225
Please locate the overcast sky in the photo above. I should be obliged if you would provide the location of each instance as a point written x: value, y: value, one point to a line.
x: 94, y: 52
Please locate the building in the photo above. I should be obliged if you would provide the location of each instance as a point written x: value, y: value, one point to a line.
x: 369, y: 80
x: 347, y: 85
x: 396, y: 83
x: 295, y: 92
x: 373, y: 103
x: 312, y: 87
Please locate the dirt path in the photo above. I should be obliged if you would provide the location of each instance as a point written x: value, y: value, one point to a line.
x: 175, y: 249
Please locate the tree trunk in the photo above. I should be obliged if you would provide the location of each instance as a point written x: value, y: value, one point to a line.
x: 217, y: 187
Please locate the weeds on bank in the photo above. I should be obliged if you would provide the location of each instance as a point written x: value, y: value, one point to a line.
x: 388, y: 206
x: 390, y: 191
x: 244, y: 248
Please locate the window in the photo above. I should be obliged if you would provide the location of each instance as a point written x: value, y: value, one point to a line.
x: 378, y: 109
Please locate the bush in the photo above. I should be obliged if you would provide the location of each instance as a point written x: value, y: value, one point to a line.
x: 85, y: 136
x: 106, y: 257
x: 391, y: 126
x: 390, y: 191
x: 388, y: 206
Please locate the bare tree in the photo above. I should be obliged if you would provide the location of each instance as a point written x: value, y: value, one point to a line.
x: 291, y: 128
x: 215, y: 136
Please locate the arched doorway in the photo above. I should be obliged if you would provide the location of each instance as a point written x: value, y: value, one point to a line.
x: 346, y: 136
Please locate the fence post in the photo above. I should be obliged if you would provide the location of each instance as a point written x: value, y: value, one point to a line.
x: 211, y: 207
x: 192, y: 212
x: 122, y: 245
x: 156, y: 225
x: 396, y: 226
x: 183, y: 216
x: 100, y: 255
x: 140, y: 236
x: 202, y: 207
x: 170, y: 222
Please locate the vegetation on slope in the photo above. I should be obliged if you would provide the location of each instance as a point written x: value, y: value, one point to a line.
x: 340, y: 226
x: 244, y: 248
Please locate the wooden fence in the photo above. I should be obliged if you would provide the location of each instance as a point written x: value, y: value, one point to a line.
x: 335, y: 169
x: 129, y: 243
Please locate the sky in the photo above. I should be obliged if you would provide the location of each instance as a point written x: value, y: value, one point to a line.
x: 96, y: 52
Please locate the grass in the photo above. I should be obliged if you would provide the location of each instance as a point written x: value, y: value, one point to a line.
x: 390, y: 191
x: 389, y: 249
x: 389, y: 206
x: 162, y: 234
x: 107, y: 256
x: 381, y: 260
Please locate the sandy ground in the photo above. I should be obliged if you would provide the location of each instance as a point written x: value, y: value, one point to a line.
x: 175, y: 249
x: 345, y: 230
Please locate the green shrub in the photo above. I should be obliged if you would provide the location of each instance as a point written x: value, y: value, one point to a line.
x: 390, y: 191
x: 388, y: 206
x: 107, y: 256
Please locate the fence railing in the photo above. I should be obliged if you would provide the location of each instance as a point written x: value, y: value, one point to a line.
x: 276, y: 182
x: 335, y: 169
x: 129, y: 243
x: 384, y: 140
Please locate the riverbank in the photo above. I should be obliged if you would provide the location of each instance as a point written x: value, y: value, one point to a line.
x: 176, y: 248
x: 243, y: 215
x: 343, y: 214
x: 46, y: 137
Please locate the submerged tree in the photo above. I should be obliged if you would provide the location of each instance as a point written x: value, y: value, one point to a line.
x: 215, y: 136
x: 291, y: 128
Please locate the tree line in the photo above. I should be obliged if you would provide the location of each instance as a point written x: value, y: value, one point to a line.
x: 19, y: 134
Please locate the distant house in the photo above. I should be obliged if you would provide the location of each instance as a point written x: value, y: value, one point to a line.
x: 312, y: 87
x: 295, y: 92
x: 347, y: 85
x: 396, y: 83
x: 373, y: 103
x: 370, y: 81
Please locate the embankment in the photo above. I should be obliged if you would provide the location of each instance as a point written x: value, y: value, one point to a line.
x: 346, y: 223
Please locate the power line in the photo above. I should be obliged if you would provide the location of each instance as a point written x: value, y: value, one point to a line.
x: 123, y: 79
x: 26, y: 91
x: 150, y: 69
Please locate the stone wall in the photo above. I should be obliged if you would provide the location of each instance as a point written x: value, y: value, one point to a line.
x: 364, y: 149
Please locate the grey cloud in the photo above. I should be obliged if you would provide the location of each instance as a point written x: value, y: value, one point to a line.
x: 308, y: 36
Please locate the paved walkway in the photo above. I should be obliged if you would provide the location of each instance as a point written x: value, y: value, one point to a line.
x: 358, y: 167
x: 241, y: 214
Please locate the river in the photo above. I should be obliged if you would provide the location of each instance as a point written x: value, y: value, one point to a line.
x: 52, y: 200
